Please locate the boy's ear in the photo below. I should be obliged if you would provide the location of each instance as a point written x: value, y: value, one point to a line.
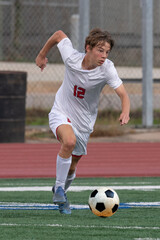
x: 88, y: 48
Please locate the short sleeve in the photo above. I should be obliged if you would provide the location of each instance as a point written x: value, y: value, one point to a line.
x: 112, y: 77
x: 66, y: 49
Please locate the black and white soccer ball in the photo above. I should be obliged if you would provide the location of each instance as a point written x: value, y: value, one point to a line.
x: 103, y: 201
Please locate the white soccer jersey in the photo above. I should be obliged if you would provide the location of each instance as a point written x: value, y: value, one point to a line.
x: 78, y: 96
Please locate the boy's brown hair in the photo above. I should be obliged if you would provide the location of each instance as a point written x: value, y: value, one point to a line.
x: 97, y: 36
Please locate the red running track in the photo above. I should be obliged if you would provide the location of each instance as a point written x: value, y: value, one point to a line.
x: 23, y: 160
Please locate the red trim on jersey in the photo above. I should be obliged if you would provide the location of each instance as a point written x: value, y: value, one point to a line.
x: 76, y: 155
x: 68, y: 120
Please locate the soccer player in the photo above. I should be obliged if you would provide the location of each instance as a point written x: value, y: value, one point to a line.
x: 75, y: 108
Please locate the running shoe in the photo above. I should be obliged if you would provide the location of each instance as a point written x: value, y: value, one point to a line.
x: 64, y: 208
x: 59, y: 196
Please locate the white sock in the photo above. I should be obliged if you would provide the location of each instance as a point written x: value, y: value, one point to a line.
x: 62, y: 168
x: 69, y: 180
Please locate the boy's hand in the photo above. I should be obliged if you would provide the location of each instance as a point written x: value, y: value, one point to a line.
x: 124, y: 119
x: 41, y: 61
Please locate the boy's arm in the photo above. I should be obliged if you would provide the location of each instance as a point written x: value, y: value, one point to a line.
x: 41, y: 59
x: 124, y: 116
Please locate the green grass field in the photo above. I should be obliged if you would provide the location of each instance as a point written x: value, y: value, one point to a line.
x: 135, y: 222
x: 36, y: 117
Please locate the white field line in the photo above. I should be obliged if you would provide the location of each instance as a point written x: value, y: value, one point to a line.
x: 43, y: 206
x: 146, y: 238
x: 79, y: 226
x: 85, y: 183
x: 142, y: 204
x: 78, y: 188
x: 32, y: 206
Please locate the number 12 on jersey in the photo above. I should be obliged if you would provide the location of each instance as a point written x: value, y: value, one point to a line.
x: 79, y: 92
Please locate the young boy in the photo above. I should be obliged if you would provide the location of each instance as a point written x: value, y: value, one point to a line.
x: 75, y: 108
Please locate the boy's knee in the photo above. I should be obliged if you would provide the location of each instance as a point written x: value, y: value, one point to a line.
x: 69, y: 143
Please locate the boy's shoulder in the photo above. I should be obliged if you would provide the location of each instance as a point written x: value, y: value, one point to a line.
x: 108, y: 66
x: 108, y: 63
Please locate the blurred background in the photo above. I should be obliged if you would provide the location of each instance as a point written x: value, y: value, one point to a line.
x: 25, y: 25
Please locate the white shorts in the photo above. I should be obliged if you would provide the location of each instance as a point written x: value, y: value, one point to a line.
x: 56, y: 118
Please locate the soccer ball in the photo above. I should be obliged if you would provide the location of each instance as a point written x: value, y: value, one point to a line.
x: 103, y: 202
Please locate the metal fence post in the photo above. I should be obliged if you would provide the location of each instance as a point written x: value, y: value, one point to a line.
x: 147, y: 57
x: 74, y: 30
x: 84, y: 22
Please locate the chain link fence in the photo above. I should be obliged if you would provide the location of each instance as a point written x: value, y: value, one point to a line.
x: 25, y: 25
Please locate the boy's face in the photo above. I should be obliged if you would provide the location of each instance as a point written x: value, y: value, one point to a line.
x: 99, y: 53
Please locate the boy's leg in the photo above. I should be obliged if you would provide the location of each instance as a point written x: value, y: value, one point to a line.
x: 62, y: 168
x: 80, y: 148
x: 64, y: 208
x: 72, y: 172
x: 68, y: 140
